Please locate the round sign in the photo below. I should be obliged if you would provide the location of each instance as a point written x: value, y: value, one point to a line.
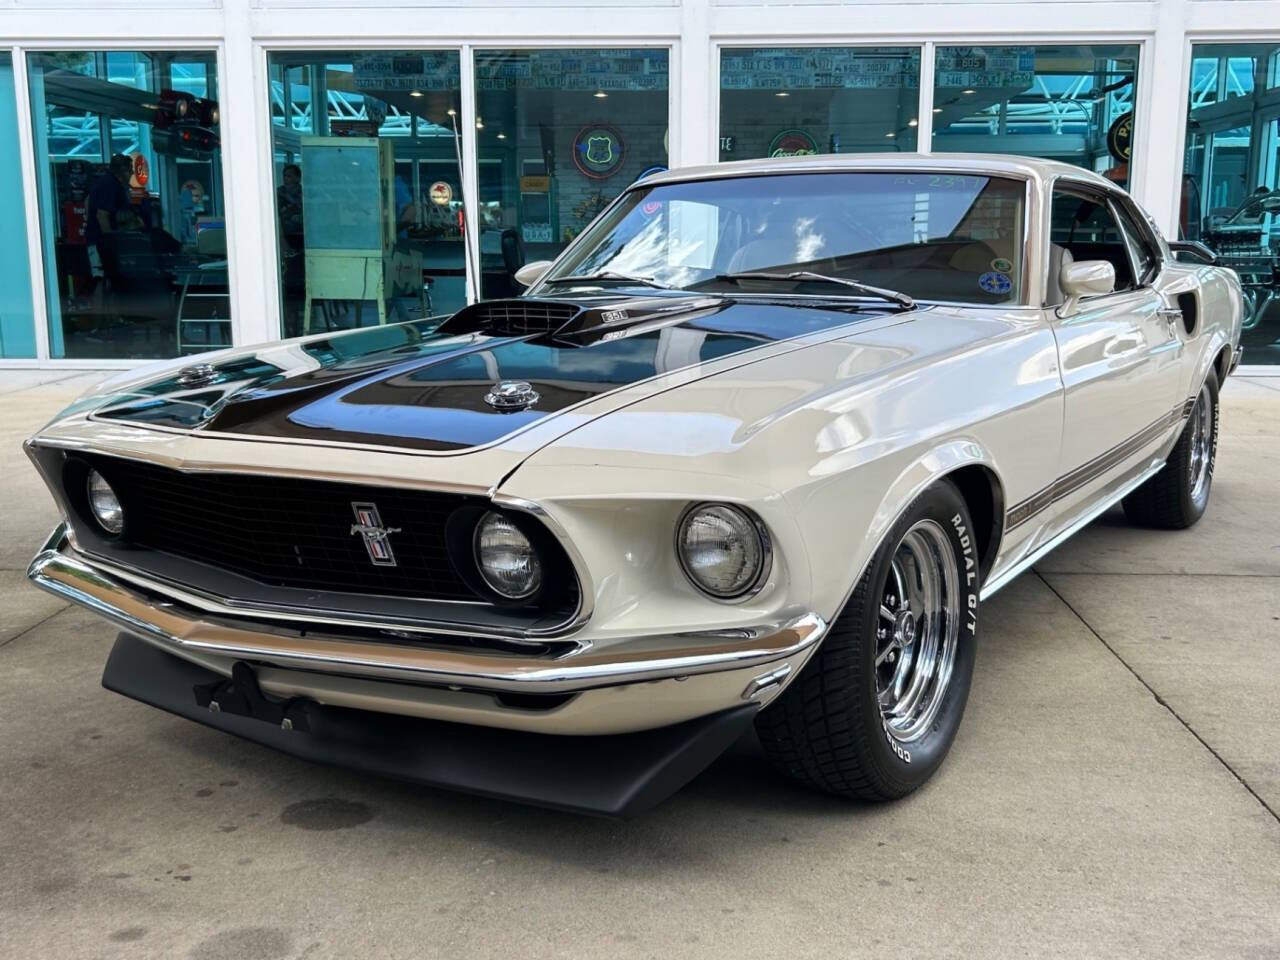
x: 141, y: 171
x: 441, y: 193
x: 598, y: 151
x: 793, y: 143
x: 1120, y: 137
x: 656, y: 168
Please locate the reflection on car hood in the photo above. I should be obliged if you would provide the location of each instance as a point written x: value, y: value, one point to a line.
x: 424, y: 385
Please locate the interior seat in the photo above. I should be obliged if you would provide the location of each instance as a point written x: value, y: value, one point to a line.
x: 1059, y: 259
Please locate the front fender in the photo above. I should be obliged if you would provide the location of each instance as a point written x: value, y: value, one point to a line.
x: 839, y: 562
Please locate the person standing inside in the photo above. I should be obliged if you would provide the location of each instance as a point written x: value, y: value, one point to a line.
x: 289, y: 207
x: 108, y: 199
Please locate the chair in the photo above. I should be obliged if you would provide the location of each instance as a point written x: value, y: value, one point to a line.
x: 212, y: 292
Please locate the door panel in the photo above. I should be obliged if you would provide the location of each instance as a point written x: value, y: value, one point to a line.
x: 1120, y: 358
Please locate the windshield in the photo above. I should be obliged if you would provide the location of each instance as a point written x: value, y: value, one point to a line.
x: 933, y: 236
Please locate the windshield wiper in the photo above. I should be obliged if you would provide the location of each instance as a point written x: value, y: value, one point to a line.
x: 894, y: 296
x: 609, y: 275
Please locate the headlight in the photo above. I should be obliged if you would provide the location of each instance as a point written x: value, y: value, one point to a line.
x: 104, y: 504
x: 723, y: 550
x: 506, y: 558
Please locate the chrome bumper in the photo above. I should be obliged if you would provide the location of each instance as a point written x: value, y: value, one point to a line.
x: 190, y: 633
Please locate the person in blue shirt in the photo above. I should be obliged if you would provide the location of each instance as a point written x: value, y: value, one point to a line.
x: 108, y: 198
x: 404, y: 208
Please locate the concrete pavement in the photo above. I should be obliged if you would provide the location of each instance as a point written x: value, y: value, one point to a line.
x: 1113, y: 792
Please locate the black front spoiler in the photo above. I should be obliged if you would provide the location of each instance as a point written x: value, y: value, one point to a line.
x: 620, y: 775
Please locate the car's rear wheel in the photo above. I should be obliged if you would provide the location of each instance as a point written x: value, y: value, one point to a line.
x: 875, y: 711
x: 1177, y: 496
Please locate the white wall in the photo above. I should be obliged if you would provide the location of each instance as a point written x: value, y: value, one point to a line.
x: 242, y: 31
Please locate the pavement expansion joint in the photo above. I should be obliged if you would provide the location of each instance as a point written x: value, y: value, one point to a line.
x: 1158, y: 699
x: 39, y: 623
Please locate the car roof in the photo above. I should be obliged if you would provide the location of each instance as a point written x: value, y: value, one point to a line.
x: 1028, y: 168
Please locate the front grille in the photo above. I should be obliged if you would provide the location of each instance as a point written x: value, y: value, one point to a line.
x: 289, y: 532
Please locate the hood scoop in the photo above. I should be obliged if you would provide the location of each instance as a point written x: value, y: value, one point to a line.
x: 565, y: 323
x: 511, y: 318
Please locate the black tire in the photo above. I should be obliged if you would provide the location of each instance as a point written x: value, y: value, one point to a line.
x: 1173, y: 499
x: 826, y: 730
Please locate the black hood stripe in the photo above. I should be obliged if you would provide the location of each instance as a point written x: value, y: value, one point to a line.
x: 427, y: 392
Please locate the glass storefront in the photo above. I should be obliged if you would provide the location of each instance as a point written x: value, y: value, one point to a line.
x: 17, y: 323
x: 121, y: 186
x: 1231, y: 177
x: 784, y: 101
x: 559, y: 134
x: 128, y: 168
x: 1068, y: 103
x: 366, y: 151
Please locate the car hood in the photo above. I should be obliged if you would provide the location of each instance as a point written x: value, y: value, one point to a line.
x: 426, y: 386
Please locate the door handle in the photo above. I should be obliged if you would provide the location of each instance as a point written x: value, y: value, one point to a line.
x: 1172, y: 315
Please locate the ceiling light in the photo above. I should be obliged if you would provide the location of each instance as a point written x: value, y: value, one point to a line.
x: 913, y: 122
x: 782, y: 93
x: 968, y: 92
x: 452, y: 112
x: 599, y: 94
x: 479, y: 124
x: 416, y: 93
x: 937, y: 109
x: 502, y: 136
x: 890, y: 134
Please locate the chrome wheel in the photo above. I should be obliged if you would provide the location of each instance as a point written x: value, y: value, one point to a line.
x: 1200, y: 432
x: 918, y: 631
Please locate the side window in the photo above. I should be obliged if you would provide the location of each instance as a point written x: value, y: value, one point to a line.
x: 1144, y: 253
x: 1082, y: 227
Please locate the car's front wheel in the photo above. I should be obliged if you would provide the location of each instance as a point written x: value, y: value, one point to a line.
x: 875, y: 711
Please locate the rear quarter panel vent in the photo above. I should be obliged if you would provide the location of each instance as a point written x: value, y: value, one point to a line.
x: 1189, y: 304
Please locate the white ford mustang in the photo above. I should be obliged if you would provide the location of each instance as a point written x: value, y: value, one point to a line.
x: 753, y: 449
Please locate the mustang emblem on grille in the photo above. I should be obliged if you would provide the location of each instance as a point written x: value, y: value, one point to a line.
x: 376, y: 537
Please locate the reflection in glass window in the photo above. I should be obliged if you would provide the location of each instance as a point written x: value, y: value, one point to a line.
x: 367, y: 185
x: 560, y: 133
x: 17, y: 323
x: 783, y: 101
x: 1068, y: 103
x: 1231, y: 177
x: 129, y: 174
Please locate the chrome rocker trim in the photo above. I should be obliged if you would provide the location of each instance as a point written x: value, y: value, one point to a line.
x: 1082, y: 521
x: 179, y: 630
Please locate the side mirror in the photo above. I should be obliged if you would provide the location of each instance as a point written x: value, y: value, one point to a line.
x: 1085, y: 278
x: 531, y: 273
x: 1194, y: 249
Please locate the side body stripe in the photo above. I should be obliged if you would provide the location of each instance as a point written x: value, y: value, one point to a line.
x: 1084, y: 474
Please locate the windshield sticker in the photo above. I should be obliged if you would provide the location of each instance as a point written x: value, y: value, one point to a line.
x: 995, y: 282
x: 1001, y: 265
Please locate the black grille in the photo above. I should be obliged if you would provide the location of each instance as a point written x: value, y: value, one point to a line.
x: 516, y: 318
x: 290, y: 532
